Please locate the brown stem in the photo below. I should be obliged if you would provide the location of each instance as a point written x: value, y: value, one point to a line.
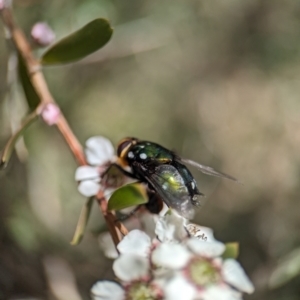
x: 40, y: 85
x: 111, y: 220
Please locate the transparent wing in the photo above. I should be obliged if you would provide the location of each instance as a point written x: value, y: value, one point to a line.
x: 208, y: 170
x: 169, y: 184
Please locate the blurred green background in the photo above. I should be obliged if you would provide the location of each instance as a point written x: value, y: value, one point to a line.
x: 217, y: 81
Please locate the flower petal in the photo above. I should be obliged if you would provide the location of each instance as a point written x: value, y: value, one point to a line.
x: 107, y: 290
x: 148, y: 223
x: 179, y: 288
x: 236, y: 276
x: 200, y: 232
x: 89, y: 188
x: 217, y: 292
x: 207, y: 249
x: 86, y: 172
x: 170, y: 228
x: 99, y: 150
x: 170, y: 255
x: 107, y: 245
x: 130, y: 267
x: 164, y: 209
x: 135, y: 242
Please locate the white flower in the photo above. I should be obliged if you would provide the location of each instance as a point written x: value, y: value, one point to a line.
x: 89, y: 180
x: 200, y: 271
x: 130, y: 267
x: 135, y: 242
x: 178, y: 289
x: 170, y: 255
x: 107, y: 290
x: 107, y: 245
x: 148, y: 223
x: 182, y: 285
x: 180, y: 267
x: 133, y: 269
x: 200, y: 232
x: 235, y: 276
x: 133, y: 262
x: 221, y: 292
x: 206, y: 249
x: 137, y: 290
x: 171, y: 227
x: 99, y: 151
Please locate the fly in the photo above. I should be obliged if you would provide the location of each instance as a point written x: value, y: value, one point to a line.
x: 165, y: 173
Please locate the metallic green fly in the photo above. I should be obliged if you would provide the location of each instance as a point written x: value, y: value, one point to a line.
x: 165, y: 173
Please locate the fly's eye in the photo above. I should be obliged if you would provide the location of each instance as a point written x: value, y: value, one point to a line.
x: 123, y: 146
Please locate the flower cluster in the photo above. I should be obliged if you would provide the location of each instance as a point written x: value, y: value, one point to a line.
x: 173, y: 261
x: 99, y: 152
x: 183, y: 262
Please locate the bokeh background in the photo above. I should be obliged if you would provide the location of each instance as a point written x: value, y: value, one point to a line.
x: 217, y: 81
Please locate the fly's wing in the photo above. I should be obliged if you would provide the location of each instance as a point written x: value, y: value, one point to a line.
x: 169, y: 184
x: 207, y: 170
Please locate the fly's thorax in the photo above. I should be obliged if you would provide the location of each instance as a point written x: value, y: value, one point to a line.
x: 133, y: 150
x: 150, y: 153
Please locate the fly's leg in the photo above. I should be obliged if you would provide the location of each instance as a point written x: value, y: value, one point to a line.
x: 120, y: 169
x: 195, y: 201
x: 154, y: 204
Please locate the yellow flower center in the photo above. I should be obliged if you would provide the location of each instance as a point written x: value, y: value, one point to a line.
x: 203, y: 272
x: 141, y: 291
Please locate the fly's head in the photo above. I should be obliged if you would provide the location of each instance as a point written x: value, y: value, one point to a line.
x: 123, y: 149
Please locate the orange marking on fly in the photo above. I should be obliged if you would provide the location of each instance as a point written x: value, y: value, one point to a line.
x: 123, y: 149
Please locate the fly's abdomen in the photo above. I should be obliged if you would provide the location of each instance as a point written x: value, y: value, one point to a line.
x: 189, y: 181
x: 170, y: 185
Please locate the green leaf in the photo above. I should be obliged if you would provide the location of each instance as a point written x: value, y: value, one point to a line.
x: 10, y: 145
x: 127, y: 196
x: 231, y: 250
x: 32, y: 98
x: 287, y: 269
x: 82, y: 221
x: 79, y: 44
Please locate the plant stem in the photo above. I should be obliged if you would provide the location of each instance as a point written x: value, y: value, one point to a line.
x: 40, y: 85
x: 6, y: 154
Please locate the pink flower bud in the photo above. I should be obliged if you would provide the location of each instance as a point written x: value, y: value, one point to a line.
x: 42, y: 34
x: 50, y: 114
